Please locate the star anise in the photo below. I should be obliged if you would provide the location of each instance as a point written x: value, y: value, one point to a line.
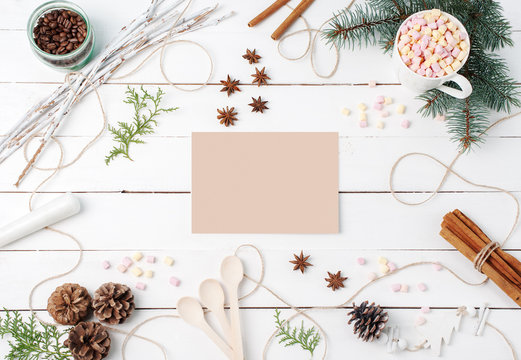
x: 227, y: 116
x: 251, y: 56
x: 260, y: 77
x: 258, y: 105
x: 230, y: 86
x: 336, y: 281
x: 301, y: 262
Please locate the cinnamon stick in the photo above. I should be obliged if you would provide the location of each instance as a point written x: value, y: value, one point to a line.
x: 301, y: 7
x: 476, y: 244
x: 469, y: 239
x: 269, y: 10
x: 510, y: 289
x: 515, y: 265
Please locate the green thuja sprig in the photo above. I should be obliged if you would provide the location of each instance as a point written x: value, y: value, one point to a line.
x: 378, y: 21
x: 307, y: 339
x: 143, y: 121
x: 31, y: 340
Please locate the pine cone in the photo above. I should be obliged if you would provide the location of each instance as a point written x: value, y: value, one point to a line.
x: 113, y: 303
x: 69, y: 304
x: 88, y: 341
x: 369, y: 320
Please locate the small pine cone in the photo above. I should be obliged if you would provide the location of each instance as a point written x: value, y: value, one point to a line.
x: 113, y: 303
x: 69, y: 304
x: 88, y: 341
x: 369, y: 320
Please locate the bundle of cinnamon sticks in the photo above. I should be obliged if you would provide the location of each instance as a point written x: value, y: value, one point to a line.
x: 469, y: 239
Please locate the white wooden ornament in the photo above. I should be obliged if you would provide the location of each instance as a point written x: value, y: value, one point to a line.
x: 437, y: 332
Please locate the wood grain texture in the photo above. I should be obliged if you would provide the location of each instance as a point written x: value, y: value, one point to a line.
x: 145, y: 205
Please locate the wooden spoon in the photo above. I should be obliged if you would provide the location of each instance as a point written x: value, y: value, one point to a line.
x: 191, y: 312
x: 211, y: 294
x: 232, y: 274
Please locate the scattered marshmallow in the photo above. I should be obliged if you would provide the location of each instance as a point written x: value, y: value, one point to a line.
x: 361, y: 107
x: 388, y: 100
x: 151, y: 259
x: 363, y: 124
x: 420, y: 320
x: 105, y: 264
x: 378, y: 106
x: 380, y: 99
x: 405, y: 123
x: 174, y: 281
x: 362, y: 116
x: 360, y: 261
x: 137, y: 271
x: 346, y: 111
x: 384, y: 269
x: 425, y: 309
x: 437, y: 267
x: 400, y: 109
x: 382, y: 260
x: 127, y: 261
x: 384, y: 113
x: 392, y: 266
x: 422, y: 287
x: 396, y: 287
x: 404, y: 288
x: 141, y: 286
x: 137, y: 256
x: 380, y: 124
x: 372, y: 83
x: 122, y: 268
x: 168, y: 261
x: 149, y: 274
x: 371, y: 276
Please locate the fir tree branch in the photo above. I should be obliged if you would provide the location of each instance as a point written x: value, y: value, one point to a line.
x: 28, y: 342
x: 467, y: 122
x: 307, y: 339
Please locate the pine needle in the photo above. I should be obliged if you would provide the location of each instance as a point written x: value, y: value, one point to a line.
x: 143, y: 124
x: 28, y: 342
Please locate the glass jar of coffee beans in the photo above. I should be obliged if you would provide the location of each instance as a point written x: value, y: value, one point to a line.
x: 61, y: 35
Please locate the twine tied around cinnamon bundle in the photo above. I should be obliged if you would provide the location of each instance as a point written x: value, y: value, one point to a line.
x: 483, y: 255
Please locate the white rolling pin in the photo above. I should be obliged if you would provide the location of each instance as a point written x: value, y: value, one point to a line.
x: 55, y: 211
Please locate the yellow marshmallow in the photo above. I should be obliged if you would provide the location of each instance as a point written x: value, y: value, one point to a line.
x: 405, y: 50
x: 400, y: 109
x: 436, y: 12
x: 427, y: 31
x: 450, y: 25
x: 137, y: 271
x: 362, y: 116
x: 442, y: 64
x: 444, y: 18
x: 388, y: 100
x: 442, y: 42
x: 137, y: 256
x: 463, y: 45
x: 456, y: 35
x: 448, y: 70
x: 410, y: 54
x: 440, y: 73
x: 168, y: 261
x: 346, y: 111
x: 361, y: 107
x: 461, y: 55
x: 417, y: 27
x: 436, y: 34
x: 149, y: 274
x: 442, y: 29
x: 456, y: 65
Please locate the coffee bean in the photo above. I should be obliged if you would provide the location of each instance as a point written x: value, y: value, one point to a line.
x: 60, y: 31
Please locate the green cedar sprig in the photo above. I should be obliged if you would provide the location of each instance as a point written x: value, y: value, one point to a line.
x: 142, y: 124
x: 29, y: 342
x: 307, y: 339
x: 377, y: 22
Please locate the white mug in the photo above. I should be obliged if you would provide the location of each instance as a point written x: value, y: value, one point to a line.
x: 421, y: 83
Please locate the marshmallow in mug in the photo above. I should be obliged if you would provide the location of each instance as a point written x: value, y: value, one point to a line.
x: 431, y: 45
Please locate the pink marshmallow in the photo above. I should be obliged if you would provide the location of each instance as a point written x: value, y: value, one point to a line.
x: 414, y: 67
x: 421, y: 22
x: 449, y: 60
x: 174, y: 281
x: 437, y: 267
x: 403, y: 30
x: 463, y: 35
x: 380, y: 99
x: 421, y: 72
x: 405, y: 123
x: 420, y: 320
x: 151, y: 259
x: 392, y: 266
x: 360, y: 261
x: 436, y: 67
x: 406, y: 59
x: 415, y: 35
x: 456, y: 52
x: 415, y: 47
x: 362, y: 124
x: 141, y: 286
x: 433, y: 25
x: 378, y: 106
x: 422, y: 287
x: 127, y: 261
x: 396, y: 287
x: 425, y: 309
x: 105, y: 264
x: 440, y: 22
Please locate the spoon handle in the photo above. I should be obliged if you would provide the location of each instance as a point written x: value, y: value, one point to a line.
x: 212, y: 335
x: 236, y: 323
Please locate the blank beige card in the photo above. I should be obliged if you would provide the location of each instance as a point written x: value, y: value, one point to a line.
x: 265, y: 183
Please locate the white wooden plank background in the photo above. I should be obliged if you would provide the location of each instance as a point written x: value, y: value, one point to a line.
x: 145, y: 205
